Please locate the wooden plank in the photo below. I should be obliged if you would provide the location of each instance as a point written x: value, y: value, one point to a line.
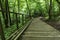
x: 26, y: 26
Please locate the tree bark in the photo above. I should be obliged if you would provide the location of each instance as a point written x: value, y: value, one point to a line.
x: 50, y: 10
x: 28, y: 9
x: 8, y: 18
x: 1, y: 30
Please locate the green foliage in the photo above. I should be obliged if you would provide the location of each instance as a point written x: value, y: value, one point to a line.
x: 34, y: 7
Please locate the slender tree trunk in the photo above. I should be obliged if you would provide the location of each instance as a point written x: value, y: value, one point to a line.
x: 2, y: 9
x: 47, y: 4
x: 19, y: 10
x: 7, y: 13
x: 13, y: 13
x: 8, y: 19
x: 28, y: 9
x: 3, y: 12
x: 59, y: 7
x: 50, y: 10
x: 1, y: 30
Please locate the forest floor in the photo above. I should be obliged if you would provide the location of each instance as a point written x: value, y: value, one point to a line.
x: 55, y: 24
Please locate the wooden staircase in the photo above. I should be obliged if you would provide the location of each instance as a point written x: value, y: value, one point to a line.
x: 39, y: 30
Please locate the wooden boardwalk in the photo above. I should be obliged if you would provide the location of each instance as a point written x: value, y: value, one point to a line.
x: 39, y: 30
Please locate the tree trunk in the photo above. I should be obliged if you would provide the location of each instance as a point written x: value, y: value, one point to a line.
x: 28, y: 9
x: 3, y: 12
x: 19, y: 10
x: 8, y: 18
x: 50, y: 10
x: 1, y: 30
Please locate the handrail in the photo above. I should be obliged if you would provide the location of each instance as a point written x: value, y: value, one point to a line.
x: 18, y: 33
x: 26, y: 26
x: 17, y: 23
x: 9, y: 21
x: 13, y: 12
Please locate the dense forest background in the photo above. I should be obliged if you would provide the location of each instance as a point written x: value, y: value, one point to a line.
x: 17, y: 12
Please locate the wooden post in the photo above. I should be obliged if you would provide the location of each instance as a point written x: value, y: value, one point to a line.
x: 19, y: 18
x: 17, y: 21
x: 22, y: 19
x: 25, y: 18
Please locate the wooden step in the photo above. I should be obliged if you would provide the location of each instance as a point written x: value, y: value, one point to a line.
x: 39, y: 30
x: 40, y: 38
x: 42, y: 33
